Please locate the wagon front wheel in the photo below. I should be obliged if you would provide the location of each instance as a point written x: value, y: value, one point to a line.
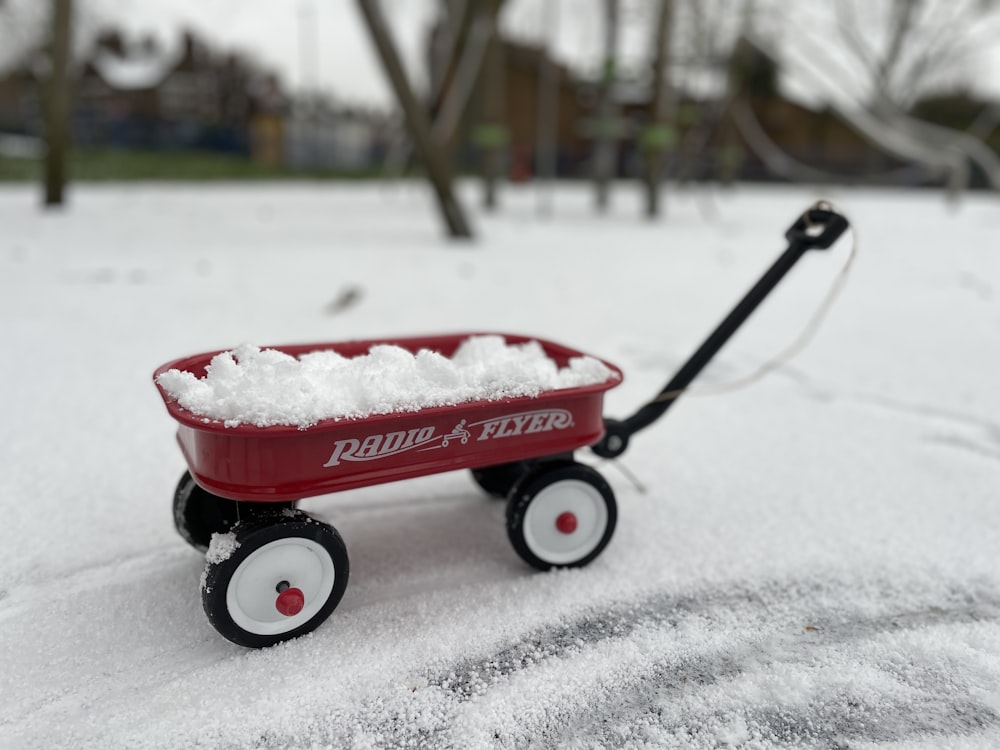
x: 272, y: 579
x: 561, y: 516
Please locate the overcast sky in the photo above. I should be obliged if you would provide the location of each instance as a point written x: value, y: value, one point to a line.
x: 323, y: 44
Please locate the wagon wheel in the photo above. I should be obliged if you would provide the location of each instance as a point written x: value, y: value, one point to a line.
x: 274, y: 579
x: 561, y: 515
x: 198, y: 513
x: 498, y: 480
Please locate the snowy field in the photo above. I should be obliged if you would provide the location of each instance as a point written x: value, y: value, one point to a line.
x: 814, y: 560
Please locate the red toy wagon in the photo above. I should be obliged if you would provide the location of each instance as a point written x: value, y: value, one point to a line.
x: 274, y: 572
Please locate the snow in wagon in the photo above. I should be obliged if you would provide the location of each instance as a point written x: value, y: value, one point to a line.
x: 263, y: 387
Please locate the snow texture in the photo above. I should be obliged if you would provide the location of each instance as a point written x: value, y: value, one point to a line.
x: 221, y: 548
x: 249, y: 385
x: 814, y: 562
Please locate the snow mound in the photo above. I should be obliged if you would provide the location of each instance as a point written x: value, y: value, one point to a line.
x: 263, y: 387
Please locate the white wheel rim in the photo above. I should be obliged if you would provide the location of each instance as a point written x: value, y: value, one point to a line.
x: 252, y: 593
x: 541, y: 528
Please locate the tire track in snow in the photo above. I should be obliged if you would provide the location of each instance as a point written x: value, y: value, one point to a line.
x: 987, y: 448
x: 627, y: 713
x: 935, y: 702
x: 980, y: 438
x: 760, y: 631
x: 813, y: 389
x: 426, y: 722
x: 40, y: 595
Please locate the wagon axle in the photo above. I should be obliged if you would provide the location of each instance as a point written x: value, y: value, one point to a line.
x: 566, y: 522
x: 290, y: 600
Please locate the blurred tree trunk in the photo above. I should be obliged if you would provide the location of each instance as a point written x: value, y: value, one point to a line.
x: 475, y: 25
x: 446, y: 50
x: 417, y: 122
x: 452, y: 124
x: 547, y: 137
x: 57, y: 104
x: 457, y: 18
x: 659, y: 135
x: 458, y: 76
x: 605, y: 151
x: 491, y: 134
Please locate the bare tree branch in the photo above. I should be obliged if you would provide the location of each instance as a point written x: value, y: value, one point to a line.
x: 901, y: 23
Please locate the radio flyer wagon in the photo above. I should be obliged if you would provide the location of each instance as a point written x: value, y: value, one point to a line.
x: 274, y: 572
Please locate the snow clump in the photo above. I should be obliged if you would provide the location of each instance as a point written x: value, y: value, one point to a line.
x: 264, y: 387
x: 222, y: 547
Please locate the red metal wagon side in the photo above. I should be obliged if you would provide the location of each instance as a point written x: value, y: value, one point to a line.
x: 283, y: 463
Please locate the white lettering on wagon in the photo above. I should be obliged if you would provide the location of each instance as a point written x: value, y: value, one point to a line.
x: 524, y: 423
x: 379, y: 445
x: 382, y: 445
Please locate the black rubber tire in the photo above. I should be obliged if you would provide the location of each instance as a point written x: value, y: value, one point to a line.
x: 498, y: 480
x: 295, y: 528
x: 527, y: 520
x: 198, y: 513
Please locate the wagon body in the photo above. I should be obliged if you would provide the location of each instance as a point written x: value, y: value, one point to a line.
x: 282, y: 463
x: 276, y: 572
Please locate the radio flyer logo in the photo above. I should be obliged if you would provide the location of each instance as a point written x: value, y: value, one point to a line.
x: 384, y: 444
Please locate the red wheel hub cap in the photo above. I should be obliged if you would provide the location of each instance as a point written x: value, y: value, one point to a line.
x: 290, y: 602
x: 566, y: 523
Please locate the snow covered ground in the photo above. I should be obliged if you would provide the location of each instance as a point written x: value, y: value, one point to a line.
x: 814, y: 562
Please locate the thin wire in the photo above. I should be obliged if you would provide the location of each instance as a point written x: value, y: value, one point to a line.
x: 807, y: 334
x: 629, y: 475
x: 782, y: 358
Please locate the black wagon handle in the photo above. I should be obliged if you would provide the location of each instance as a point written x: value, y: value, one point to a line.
x: 818, y: 228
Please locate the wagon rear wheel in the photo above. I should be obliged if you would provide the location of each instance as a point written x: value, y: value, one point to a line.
x: 498, y: 480
x: 273, y: 579
x: 561, y: 515
x: 198, y: 513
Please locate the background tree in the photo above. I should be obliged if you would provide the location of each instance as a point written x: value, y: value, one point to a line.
x: 468, y: 81
x: 57, y: 98
x: 889, y: 54
x: 470, y: 28
x: 659, y: 135
x: 547, y: 128
x: 605, y: 135
x: 417, y: 122
x: 491, y: 135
